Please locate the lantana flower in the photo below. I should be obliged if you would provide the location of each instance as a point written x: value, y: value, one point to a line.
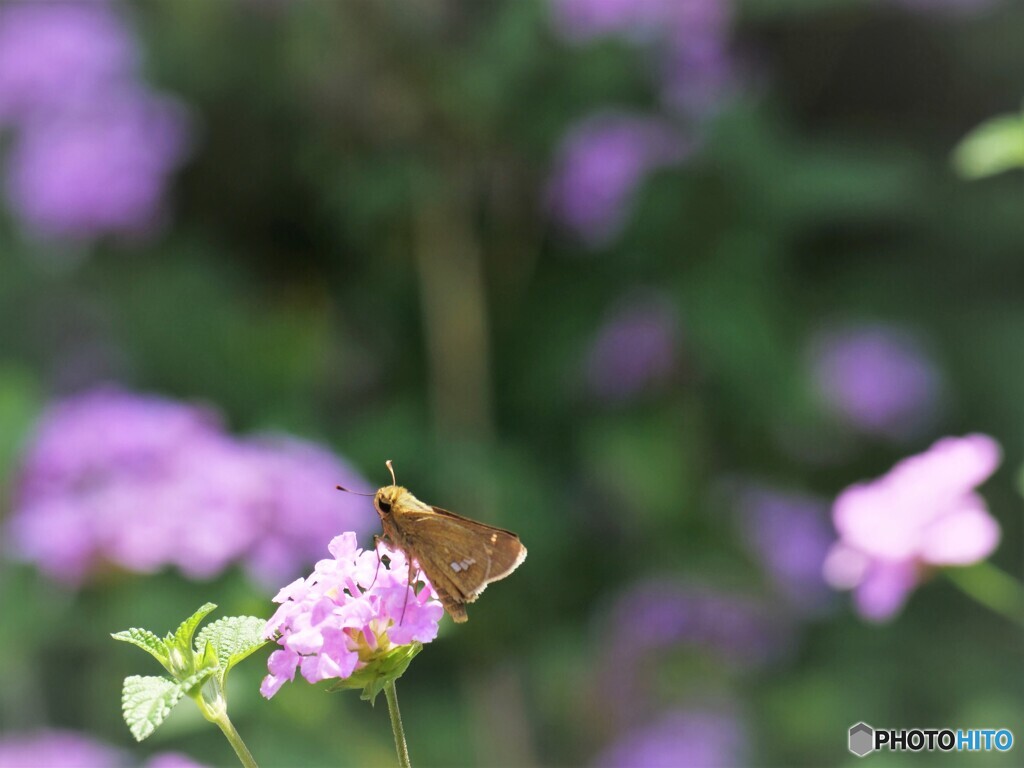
x: 354, y: 618
x: 923, y: 514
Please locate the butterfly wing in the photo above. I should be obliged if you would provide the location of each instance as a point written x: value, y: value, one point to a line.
x: 460, y: 556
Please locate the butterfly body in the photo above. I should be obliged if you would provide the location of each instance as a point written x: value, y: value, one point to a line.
x: 459, y: 556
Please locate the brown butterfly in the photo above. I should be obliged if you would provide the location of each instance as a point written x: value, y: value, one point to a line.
x: 459, y: 556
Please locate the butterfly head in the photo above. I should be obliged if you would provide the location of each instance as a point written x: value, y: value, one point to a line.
x: 385, y: 498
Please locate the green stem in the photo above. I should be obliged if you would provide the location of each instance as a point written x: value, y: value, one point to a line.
x: 992, y: 587
x: 396, y: 725
x: 236, y: 741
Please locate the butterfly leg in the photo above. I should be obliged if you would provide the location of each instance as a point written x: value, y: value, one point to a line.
x: 376, y: 548
x: 412, y: 586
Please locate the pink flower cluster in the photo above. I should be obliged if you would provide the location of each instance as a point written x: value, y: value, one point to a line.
x: 924, y: 513
x: 352, y: 610
x: 143, y: 482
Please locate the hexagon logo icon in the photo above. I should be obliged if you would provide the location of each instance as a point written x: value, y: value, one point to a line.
x: 862, y: 739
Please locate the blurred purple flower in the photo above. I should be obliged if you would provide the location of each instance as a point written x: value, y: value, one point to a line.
x: 144, y: 483
x: 634, y: 350
x: 93, y: 147
x: 922, y: 514
x: 51, y: 748
x: 585, y: 20
x: 300, y: 508
x: 876, y: 378
x: 600, y: 164
x: 53, y: 55
x: 97, y: 170
x: 655, y: 618
x: 789, y: 534
x: 349, y: 613
x: 68, y: 749
x: 693, y: 36
x: 697, y: 78
x: 679, y: 739
x: 655, y: 615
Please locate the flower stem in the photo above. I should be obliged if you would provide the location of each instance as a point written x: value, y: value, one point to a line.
x: 236, y: 741
x: 992, y: 587
x: 396, y: 725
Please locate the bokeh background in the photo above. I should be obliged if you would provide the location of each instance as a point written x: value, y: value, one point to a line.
x: 648, y: 282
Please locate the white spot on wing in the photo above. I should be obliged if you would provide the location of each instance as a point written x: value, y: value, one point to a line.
x: 456, y: 567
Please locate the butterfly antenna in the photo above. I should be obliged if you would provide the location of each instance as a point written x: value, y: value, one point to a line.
x: 356, y: 493
x: 391, y: 469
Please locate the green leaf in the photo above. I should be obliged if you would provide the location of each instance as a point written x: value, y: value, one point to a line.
x: 233, y: 638
x: 995, y: 146
x: 183, y: 634
x: 147, y: 701
x: 379, y: 672
x: 208, y: 659
x: 147, y: 641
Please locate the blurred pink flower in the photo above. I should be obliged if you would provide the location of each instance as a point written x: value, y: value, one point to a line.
x: 923, y: 513
x: 93, y: 147
x: 51, y: 748
x: 57, y: 54
x: 351, y: 611
x: 600, y: 164
x: 143, y: 483
x: 97, y: 169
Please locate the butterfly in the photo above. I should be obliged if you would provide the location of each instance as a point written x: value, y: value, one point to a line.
x: 459, y: 556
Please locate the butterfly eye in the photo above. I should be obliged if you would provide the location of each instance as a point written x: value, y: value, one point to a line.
x: 385, y: 506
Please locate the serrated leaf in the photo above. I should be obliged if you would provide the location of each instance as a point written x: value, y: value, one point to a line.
x: 995, y: 146
x: 147, y: 701
x: 233, y: 638
x: 147, y: 641
x: 183, y: 634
